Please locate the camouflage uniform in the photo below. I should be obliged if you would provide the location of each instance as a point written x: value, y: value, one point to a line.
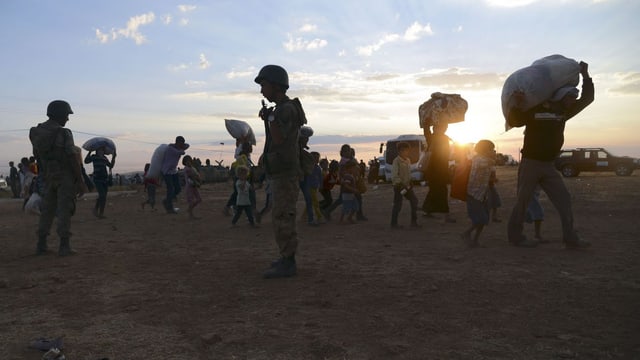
x: 54, y: 148
x: 282, y: 166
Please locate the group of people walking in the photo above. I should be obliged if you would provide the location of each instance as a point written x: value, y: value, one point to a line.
x: 288, y: 168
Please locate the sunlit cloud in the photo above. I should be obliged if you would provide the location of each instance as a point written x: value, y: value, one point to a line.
x: 414, y: 32
x: 131, y: 31
x: 457, y: 79
x: 626, y: 84
x: 301, y: 44
x: 382, y: 77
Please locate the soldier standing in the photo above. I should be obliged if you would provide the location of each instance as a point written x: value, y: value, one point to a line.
x: 57, y: 158
x: 281, y: 161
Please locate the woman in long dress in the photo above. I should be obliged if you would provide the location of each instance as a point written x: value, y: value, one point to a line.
x: 437, y: 173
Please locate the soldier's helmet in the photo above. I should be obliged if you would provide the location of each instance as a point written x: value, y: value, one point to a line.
x: 274, y: 74
x: 59, y: 107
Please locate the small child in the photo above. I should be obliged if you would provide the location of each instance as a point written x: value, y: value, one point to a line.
x: 192, y: 181
x: 349, y: 191
x: 535, y: 215
x: 401, y: 177
x: 243, y: 199
x: 315, y: 180
x: 329, y: 180
x: 494, y: 197
x: 150, y: 185
x: 482, y: 164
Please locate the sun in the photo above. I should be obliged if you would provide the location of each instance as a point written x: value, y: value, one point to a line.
x: 467, y: 132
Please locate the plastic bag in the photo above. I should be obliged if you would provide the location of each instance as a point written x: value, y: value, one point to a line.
x: 33, y: 204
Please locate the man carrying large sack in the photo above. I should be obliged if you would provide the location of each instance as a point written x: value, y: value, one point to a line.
x: 56, y: 155
x: 543, y: 140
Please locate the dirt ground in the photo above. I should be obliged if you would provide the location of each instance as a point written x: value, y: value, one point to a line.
x: 147, y: 285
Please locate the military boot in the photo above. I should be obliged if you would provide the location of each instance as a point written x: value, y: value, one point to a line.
x: 284, y: 268
x: 65, y: 248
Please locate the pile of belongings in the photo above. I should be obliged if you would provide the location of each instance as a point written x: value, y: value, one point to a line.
x: 449, y: 108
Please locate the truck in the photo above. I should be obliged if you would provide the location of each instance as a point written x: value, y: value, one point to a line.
x: 417, y: 145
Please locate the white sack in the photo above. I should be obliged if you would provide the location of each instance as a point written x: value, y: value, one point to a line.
x: 95, y: 143
x: 240, y: 129
x: 155, y: 167
x: 539, y: 81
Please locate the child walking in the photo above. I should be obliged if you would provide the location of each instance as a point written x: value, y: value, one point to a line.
x: 192, y: 181
x: 494, y: 197
x: 535, y: 215
x: 243, y: 199
x: 150, y: 185
x: 349, y: 191
x: 482, y: 164
x: 315, y: 181
x: 401, y: 177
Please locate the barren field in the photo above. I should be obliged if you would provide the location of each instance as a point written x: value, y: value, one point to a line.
x: 147, y: 285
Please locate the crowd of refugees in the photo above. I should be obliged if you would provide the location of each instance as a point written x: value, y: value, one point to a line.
x: 286, y: 168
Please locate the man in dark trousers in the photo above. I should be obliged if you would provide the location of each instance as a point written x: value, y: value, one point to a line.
x: 543, y: 140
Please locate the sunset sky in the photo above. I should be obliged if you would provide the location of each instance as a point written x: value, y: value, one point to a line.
x: 142, y: 72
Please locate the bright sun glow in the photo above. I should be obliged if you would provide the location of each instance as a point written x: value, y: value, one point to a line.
x: 468, y: 132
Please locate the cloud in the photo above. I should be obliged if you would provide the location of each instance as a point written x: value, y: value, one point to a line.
x: 413, y: 33
x: 179, y: 67
x: 241, y: 74
x: 167, y: 19
x: 457, y: 79
x: 626, y: 84
x: 509, y: 3
x: 194, y: 83
x: 382, y: 77
x: 308, y: 28
x: 416, y: 31
x: 204, y: 63
x: 301, y: 44
x: 131, y: 31
x: 186, y: 8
